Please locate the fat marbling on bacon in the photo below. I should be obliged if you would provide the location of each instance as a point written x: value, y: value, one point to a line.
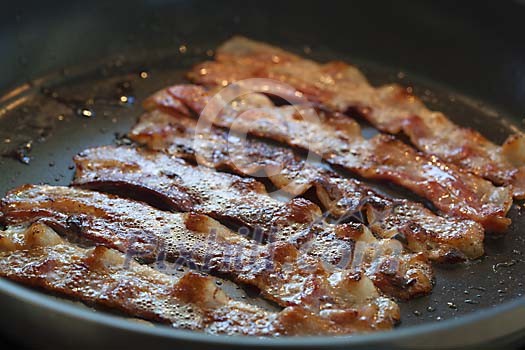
x: 339, y: 141
x: 281, y: 272
x: 442, y: 239
x: 343, y: 88
x: 156, y: 176
x: 37, y: 256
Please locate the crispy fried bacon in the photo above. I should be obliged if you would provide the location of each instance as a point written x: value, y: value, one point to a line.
x: 39, y: 257
x: 181, y: 187
x: 227, y: 197
x: 343, y: 88
x: 339, y: 141
x: 280, y: 271
x: 440, y: 238
x: 110, y: 248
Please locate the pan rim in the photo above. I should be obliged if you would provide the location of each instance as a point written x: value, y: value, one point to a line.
x: 62, y: 307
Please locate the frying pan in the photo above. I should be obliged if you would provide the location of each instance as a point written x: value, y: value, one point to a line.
x: 66, y: 65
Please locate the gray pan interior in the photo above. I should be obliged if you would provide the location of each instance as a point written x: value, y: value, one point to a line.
x: 43, y: 122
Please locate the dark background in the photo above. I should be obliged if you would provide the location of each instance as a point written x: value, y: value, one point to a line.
x: 450, y: 41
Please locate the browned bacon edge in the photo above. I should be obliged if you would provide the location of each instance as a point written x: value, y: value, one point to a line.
x: 339, y: 141
x: 390, y: 108
x: 226, y: 197
x: 442, y: 239
x: 278, y: 270
x: 37, y: 256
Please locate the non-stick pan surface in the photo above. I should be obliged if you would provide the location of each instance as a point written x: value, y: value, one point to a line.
x: 67, y: 66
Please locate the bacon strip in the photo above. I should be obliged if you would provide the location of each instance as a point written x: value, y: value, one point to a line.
x: 130, y: 172
x: 281, y: 272
x: 39, y: 257
x: 338, y: 140
x: 442, y: 239
x: 182, y: 187
x: 390, y: 108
